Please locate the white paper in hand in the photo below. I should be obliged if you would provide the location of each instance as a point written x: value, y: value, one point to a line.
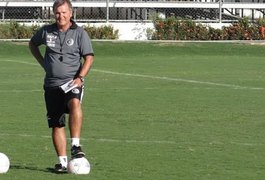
x: 68, y: 86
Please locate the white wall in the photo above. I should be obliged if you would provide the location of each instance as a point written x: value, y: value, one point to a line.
x: 129, y: 31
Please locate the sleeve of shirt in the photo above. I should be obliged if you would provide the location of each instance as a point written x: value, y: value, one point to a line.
x: 85, y: 44
x: 38, y: 38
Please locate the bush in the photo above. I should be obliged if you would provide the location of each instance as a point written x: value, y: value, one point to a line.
x: 185, y: 29
x: 216, y: 34
x: 178, y: 29
x: 103, y: 32
x: 14, y: 30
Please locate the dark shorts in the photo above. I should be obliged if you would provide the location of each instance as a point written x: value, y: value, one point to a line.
x: 56, y: 104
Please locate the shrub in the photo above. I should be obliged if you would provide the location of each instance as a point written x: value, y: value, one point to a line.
x: 185, y: 29
x: 177, y: 29
x: 216, y: 34
x: 14, y: 30
x: 103, y: 32
x: 4, y: 31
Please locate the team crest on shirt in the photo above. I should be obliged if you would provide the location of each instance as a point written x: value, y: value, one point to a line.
x: 70, y: 42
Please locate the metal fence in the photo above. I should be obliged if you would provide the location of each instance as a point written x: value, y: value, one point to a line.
x: 136, y: 10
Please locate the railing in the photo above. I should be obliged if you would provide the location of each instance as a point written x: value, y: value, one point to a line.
x: 116, y: 11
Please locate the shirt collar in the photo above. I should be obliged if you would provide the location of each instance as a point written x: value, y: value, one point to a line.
x: 74, y: 25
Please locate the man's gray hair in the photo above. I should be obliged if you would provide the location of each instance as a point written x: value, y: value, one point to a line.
x: 58, y: 3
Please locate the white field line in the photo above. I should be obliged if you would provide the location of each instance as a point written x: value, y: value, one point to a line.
x: 157, y: 77
x: 105, y: 140
x: 21, y: 91
x: 178, y: 80
x: 94, y: 139
x: 21, y: 62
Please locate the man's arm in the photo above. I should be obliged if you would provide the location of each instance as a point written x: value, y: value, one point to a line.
x: 36, y: 53
x: 88, y: 61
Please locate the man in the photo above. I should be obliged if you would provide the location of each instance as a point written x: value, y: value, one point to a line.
x: 66, y: 46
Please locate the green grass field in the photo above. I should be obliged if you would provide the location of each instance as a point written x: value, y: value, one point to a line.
x: 152, y: 111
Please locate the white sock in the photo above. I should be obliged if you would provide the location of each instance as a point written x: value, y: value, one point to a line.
x: 75, y: 142
x: 63, y: 160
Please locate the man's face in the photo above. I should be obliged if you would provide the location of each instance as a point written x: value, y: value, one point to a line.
x: 63, y: 15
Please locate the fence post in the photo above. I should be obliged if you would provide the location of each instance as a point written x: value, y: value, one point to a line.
x: 107, y: 11
x: 3, y: 14
x: 220, y: 10
x: 75, y: 9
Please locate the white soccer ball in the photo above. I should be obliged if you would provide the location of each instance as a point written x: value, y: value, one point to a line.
x: 78, y: 166
x: 4, y: 163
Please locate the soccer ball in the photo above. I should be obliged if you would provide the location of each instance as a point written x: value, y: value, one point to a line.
x: 4, y: 163
x: 78, y: 166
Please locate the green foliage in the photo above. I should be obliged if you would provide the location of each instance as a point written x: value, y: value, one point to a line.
x: 243, y: 30
x: 185, y: 29
x: 15, y: 30
x: 177, y: 29
x: 216, y: 34
x: 102, y: 32
x: 260, y: 22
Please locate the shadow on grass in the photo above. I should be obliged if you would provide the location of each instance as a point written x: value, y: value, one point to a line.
x: 47, y: 170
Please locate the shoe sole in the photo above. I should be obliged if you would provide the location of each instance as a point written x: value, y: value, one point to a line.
x: 78, y: 155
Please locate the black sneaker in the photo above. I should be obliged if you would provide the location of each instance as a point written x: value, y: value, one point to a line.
x: 76, y: 152
x: 58, y: 168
